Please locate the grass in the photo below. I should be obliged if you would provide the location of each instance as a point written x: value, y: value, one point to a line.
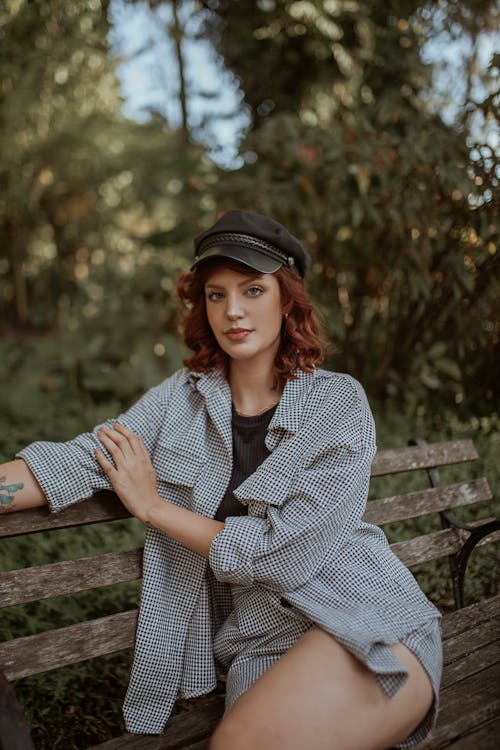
x: 75, y: 707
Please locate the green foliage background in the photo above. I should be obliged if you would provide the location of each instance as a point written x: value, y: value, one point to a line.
x: 346, y: 145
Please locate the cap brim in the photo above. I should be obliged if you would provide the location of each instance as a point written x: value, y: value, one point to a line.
x: 244, y: 255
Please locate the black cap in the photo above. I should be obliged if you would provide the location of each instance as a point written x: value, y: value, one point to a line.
x: 253, y: 240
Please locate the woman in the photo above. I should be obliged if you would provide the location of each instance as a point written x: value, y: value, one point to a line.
x: 251, y: 467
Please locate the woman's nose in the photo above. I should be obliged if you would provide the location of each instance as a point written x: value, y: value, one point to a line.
x: 233, y: 308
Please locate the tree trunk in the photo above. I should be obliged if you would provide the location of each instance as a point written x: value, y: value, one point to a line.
x: 178, y: 35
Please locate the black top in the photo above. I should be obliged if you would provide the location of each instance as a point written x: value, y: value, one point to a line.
x: 249, y: 451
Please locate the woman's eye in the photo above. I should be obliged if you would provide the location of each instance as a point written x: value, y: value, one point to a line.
x: 255, y: 291
x: 215, y: 296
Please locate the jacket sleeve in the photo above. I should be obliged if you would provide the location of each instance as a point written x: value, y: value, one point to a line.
x: 315, y: 492
x: 68, y: 472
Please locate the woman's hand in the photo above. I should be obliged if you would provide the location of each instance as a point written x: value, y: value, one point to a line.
x: 132, y: 476
x: 134, y: 481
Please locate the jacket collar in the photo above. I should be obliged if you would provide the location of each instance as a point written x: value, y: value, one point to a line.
x: 288, y: 414
x: 208, y: 383
x: 214, y: 388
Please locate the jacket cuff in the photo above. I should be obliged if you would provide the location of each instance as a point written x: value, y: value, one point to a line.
x: 232, y: 549
x: 61, y: 485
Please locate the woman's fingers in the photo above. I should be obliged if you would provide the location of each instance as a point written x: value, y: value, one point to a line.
x: 123, y: 445
x: 115, y: 445
x: 122, y: 437
x: 123, y: 430
x: 113, y: 435
x: 134, y: 440
x: 105, y: 464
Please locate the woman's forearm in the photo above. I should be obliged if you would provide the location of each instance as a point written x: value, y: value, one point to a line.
x: 19, y: 489
x: 189, y: 529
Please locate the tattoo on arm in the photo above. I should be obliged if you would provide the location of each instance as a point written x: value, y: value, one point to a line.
x: 7, y: 493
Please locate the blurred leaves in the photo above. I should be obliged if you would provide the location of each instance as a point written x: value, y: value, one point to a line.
x: 81, y: 185
x: 346, y: 147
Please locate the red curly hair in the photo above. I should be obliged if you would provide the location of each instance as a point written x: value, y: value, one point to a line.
x: 301, y: 346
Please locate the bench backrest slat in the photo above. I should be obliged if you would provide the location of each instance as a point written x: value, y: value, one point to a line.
x: 429, y: 547
x: 58, y: 648
x: 423, y: 457
x: 104, y: 506
x: 423, y: 502
x: 437, y: 544
x: 69, y: 577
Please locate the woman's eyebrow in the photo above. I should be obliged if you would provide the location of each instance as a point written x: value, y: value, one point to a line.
x: 249, y: 280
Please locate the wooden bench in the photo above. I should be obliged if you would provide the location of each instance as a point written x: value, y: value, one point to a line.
x: 470, y: 699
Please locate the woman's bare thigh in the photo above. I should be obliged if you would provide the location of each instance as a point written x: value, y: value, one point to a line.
x: 321, y: 697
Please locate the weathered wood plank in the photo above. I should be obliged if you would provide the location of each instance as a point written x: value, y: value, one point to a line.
x: 189, y: 729
x: 428, y: 547
x: 458, y: 647
x: 68, y: 577
x: 104, y: 506
x: 57, y: 648
x: 486, y: 738
x: 432, y: 500
x: 423, y: 457
x: 465, y: 707
x: 471, y: 663
x: 466, y: 619
x: 438, y: 544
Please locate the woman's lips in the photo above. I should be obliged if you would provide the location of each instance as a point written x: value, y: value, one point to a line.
x: 237, y: 334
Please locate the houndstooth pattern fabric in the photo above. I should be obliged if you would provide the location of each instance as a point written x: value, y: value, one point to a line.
x: 303, y: 539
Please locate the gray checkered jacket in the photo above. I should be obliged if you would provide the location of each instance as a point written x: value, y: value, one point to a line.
x: 303, y: 537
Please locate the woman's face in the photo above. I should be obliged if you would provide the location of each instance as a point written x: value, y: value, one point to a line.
x: 245, y: 314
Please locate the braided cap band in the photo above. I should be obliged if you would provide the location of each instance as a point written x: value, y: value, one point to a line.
x: 233, y: 239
